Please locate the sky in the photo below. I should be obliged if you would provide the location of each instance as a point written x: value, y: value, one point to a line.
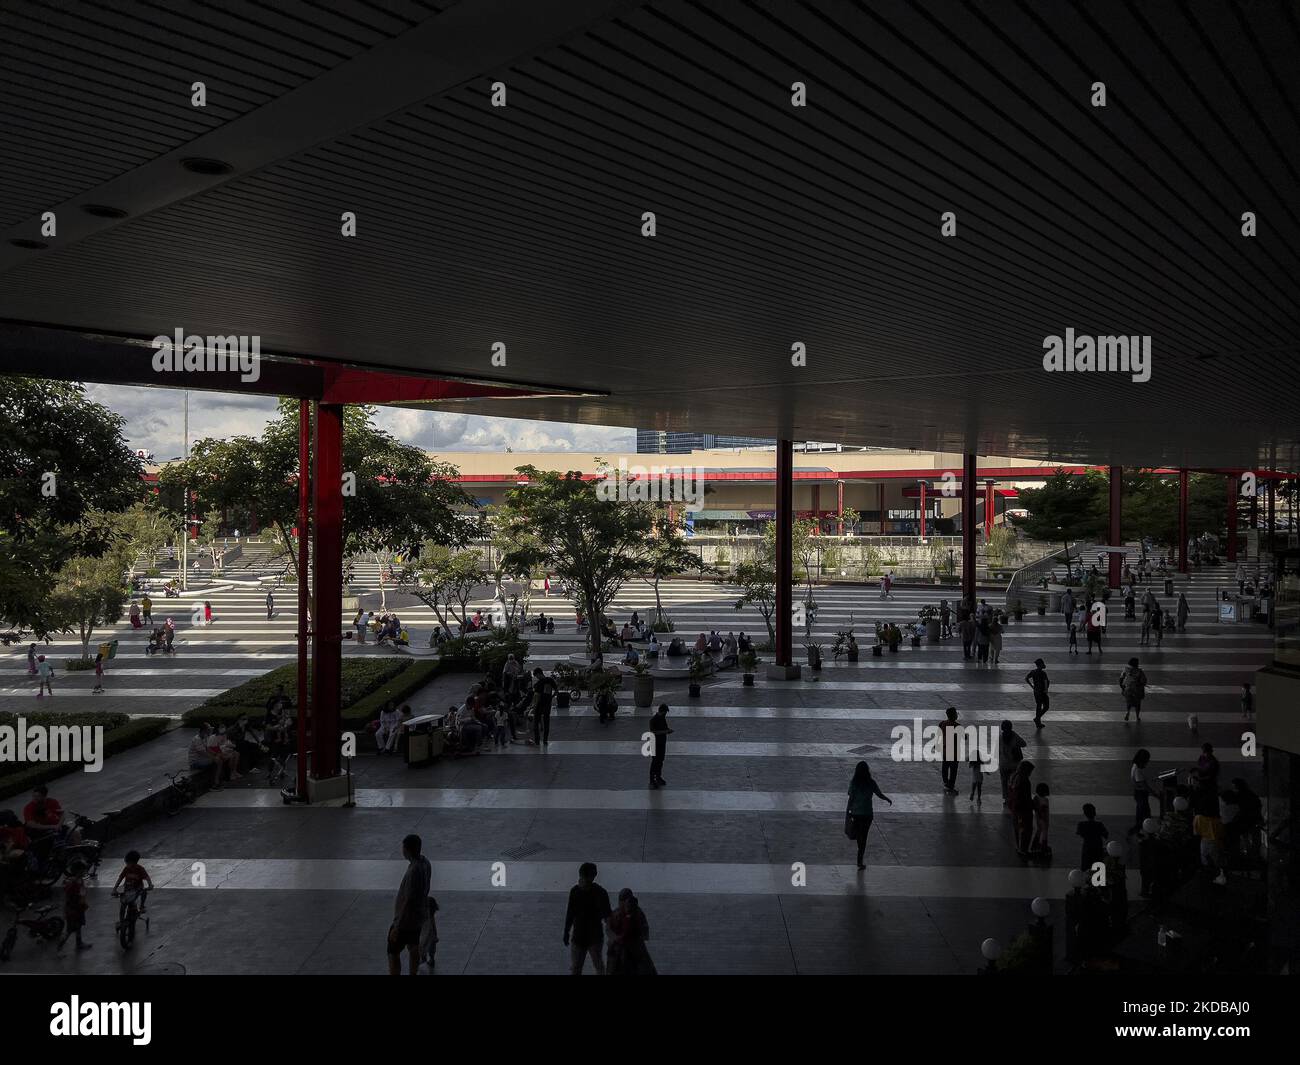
x: 154, y: 422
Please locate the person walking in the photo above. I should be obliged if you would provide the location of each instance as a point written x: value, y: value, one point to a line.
x: 1010, y: 751
x: 207, y: 613
x: 411, y: 908
x: 1020, y: 798
x: 1094, y: 628
x: 977, y: 764
x: 1133, y: 683
x: 31, y: 661
x: 270, y: 605
x: 1145, y: 638
x: 949, y: 762
x: 1184, y: 612
x: 1067, y: 608
x: 659, y: 727
x: 1141, y: 789
x: 146, y: 610
x: 44, y: 677
x: 1094, y: 836
x: 584, y: 921
x: 543, y: 691
x: 1039, y: 682
x: 627, y: 954
x: 945, y: 620
x: 982, y: 640
x: 98, y: 689
x: 860, y: 812
x: 967, y: 629
x: 1072, y: 646
x: 1247, y: 700
x: 995, y: 640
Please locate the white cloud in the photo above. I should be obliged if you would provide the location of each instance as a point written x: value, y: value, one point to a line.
x: 154, y: 421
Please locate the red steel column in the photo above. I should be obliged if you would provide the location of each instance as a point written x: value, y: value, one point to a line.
x: 990, y: 510
x: 304, y: 490
x: 839, y: 507
x: 784, y: 550
x: 1182, y: 521
x: 921, y: 509
x: 1272, y: 513
x: 327, y: 580
x: 1116, y: 497
x: 880, y: 496
x: 968, y: 533
x: 817, y: 506
x: 1233, y: 482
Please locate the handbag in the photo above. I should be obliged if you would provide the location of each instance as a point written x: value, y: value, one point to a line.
x: 848, y: 824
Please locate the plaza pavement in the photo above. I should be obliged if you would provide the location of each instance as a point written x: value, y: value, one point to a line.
x: 755, y: 800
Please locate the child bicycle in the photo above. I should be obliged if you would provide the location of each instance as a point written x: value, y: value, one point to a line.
x: 129, y: 912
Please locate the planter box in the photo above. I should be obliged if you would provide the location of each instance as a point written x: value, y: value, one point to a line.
x: 562, y: 700
x: 748, y: 680
x: 643, y: 690
x: 932, y: 630
x: 694, y: 691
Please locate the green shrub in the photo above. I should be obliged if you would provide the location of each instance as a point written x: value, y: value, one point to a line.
x: 492, y: 657
x: 361, y: 676
x: 77, y: 664
x: 405, y: 685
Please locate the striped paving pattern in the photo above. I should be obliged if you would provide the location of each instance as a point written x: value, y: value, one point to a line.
x: 740, y: 862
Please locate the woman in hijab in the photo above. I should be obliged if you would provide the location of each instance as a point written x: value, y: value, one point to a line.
x: 627, y: 954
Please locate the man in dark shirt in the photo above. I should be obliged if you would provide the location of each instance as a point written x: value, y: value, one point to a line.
x: 1094, y: 836
x: 659, y: 727
x: 544, y: 688
x: 411, y: 908
x: 584, y: 921
x: 1036, y: 678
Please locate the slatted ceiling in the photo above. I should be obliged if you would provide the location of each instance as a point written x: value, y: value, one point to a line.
x: 478, y: 224
x: 89, y: 91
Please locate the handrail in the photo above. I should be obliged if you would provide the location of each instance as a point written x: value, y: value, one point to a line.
x: 1030, y: 574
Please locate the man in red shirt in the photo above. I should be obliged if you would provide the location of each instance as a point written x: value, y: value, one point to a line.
x: 42, y: 812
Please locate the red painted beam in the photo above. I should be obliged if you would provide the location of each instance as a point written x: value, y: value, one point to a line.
x: 784, y: 552
x: 304, y: 518
x: 347, y: 385
x: 327, y: 581
x: 968, y: 533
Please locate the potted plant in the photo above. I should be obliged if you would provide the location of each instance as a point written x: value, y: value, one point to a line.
x: 643, y: 684
x: 698, y: 671
x: 929, y: 616
x: 1042, y: 606
x: 566, y: 681
x: 845, y: 644
x: 916, y: 635
x: 748, y: 663
x: 814, y: 655
x: 1019, y: 610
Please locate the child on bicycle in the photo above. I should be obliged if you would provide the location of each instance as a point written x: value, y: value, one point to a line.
x: 132, y: 879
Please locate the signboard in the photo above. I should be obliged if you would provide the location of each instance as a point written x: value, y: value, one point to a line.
x: 1228, y: 610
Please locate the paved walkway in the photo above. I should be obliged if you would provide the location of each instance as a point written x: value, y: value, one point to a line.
x: 740, y: 862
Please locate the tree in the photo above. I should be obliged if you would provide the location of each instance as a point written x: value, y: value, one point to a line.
x: 849, y: 519
x: 595, y: 545
x: 517, y: 557
x: 443, y: 580
x: 395, y: 497
x: 143, y: 529
x: 757, y: 581
x: 62, y: 460
x: 88, y: 593
x: 668, y: 554
x: 1067, y: 508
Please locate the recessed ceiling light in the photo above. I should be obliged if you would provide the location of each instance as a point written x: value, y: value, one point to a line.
x: 100, y: 210
x: 210, y: 167
x: 32, y: 245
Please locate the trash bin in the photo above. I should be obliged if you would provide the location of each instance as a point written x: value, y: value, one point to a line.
x: 424, y: 740
x: 1054, y: 603
x: 1169, y: 586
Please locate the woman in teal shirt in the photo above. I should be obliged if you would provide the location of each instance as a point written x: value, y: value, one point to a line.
x: 860, y: 813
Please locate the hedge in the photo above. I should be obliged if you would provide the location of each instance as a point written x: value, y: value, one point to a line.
x: 117, y: 739
x: 366, y: 709
x: 361, y: 676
